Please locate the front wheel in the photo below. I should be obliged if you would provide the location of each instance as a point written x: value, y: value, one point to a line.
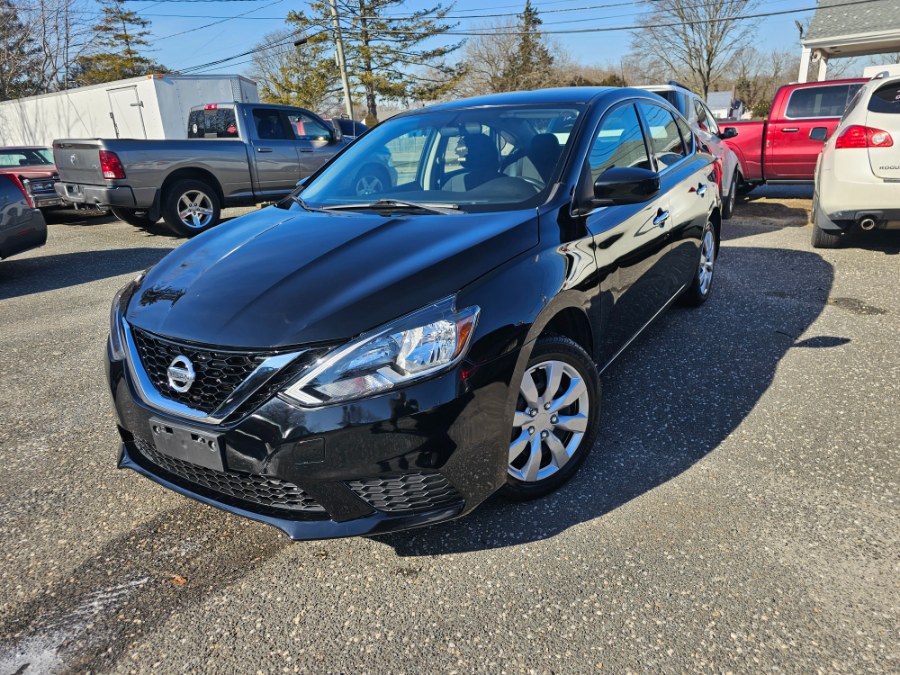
x: 555, y: 421
x: 371, y: 180
x: 190, y: 207
x: 701, y: 285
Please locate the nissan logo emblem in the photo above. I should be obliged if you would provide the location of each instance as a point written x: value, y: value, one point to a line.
x: 181, y: 374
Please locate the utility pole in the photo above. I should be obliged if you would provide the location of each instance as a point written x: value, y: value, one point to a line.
x: 342, y: 64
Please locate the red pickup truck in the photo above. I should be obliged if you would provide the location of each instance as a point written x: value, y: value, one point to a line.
x: 784, y: 147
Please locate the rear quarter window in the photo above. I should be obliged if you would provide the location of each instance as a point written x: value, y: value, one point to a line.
x: 886, y: 99
x: 827, y: 101
x: 213, y: 123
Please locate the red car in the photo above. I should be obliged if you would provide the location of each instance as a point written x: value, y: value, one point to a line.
x: 784, y: 147
x: 33, y: 170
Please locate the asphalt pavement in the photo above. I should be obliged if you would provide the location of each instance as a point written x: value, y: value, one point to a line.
x: 738, y: 512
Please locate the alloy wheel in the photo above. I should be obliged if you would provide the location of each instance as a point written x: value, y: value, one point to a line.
x: 369, y: 184
x: 707, y: 260
x: 550, y: 421
x: 195, y: 209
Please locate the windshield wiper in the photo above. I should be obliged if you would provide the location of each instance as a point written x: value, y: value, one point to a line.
x: 297, y: 199
x: 452, y: 209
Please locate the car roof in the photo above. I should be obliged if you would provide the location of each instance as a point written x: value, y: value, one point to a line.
x: 23, y: 147
x: 558, y: 96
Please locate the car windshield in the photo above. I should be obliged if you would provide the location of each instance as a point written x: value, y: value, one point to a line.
x: 10, y: 157
x: 483, y: 159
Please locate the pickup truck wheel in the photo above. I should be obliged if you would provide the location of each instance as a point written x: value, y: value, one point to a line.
x: 136, y: 218
x: 190, y: 207
x: 371, y: 180
x: 730, y: 199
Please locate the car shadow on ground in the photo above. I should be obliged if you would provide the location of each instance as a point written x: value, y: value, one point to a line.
x: 79, y: 217
x: 36, y: 274
x: 671, y: 399
x: 883, y: 241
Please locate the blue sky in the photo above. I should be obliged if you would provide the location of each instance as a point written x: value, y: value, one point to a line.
x: 189, y: 40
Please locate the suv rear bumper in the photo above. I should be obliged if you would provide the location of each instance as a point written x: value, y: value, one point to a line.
x: 96, y: 194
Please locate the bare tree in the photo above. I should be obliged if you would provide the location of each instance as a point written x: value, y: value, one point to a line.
x: 693, y: 40
x: 61, y: 32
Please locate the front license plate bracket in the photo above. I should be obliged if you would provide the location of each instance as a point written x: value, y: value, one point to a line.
x: 187, y: 444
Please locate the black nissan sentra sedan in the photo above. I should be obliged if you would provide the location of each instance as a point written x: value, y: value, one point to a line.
x: 355, y: 360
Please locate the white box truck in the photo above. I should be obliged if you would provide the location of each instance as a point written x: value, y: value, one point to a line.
x: 151, y: 106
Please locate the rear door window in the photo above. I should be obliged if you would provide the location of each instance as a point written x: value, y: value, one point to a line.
x: 827, y: 101
x: 619, y: 143
x: 665, y: 139
x: 212, y: 122
x: 886, y: 99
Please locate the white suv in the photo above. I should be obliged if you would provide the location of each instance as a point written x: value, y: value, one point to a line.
x: 858, y: 171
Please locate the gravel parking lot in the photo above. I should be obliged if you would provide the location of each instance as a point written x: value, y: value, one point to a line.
x: 739, y: 512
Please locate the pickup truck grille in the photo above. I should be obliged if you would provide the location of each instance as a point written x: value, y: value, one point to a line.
x: 217, y: 373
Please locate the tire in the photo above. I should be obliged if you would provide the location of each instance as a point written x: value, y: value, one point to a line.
x: 730, y: 200
x: 822, y: 238
x: 542, y: 465
x: 190, y: 206
x: 702, y: 283
x: 136, y: 218
x: 371, y: 180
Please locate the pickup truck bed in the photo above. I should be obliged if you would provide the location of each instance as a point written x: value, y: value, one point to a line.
x: 784, y: 147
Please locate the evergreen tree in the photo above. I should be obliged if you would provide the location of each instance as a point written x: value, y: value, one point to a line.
x: 386, y: 58
x: 533, y: 64
x: 118, y: 38
x: 19, y: 61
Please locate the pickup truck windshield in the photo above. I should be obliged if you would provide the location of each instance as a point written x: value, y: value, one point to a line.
x: 483, y: 159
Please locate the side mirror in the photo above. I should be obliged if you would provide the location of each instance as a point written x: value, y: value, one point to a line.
x: 728, y: 132
x: 818, y: 134
x: 625, y: 185
x: 336, y: 135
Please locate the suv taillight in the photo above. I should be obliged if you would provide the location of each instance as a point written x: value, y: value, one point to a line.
x: 858, y: 136
x: 22, y: 186
x: 110, y: 166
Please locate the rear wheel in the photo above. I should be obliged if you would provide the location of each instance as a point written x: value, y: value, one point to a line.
x: 822, y: 238
x: 136, y: 218
x: 555, y: 422
x: 190, y: 206
x: 700, y: 288
x: 731, y: 198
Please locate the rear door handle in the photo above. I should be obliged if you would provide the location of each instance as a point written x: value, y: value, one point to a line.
x: 790, y: 130
x: 264, y: 149
x: 701, y: 190
x: 306, y: 150
x: 661, y: 218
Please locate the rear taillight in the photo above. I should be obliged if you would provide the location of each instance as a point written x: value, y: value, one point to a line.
x: 858, y: 136
x: 110, y: 166
x: 22, y: 186
x: 211, y: 106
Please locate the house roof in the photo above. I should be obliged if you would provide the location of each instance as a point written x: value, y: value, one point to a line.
x: 835, y: 18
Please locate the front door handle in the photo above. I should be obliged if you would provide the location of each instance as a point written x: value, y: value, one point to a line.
x: 701, y: 190
x: 790, y: 130
x: 661, y: 218
x: 306, y: 150
x: 264, y: 149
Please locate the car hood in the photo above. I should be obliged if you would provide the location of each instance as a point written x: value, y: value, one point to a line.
x: 279, y: 278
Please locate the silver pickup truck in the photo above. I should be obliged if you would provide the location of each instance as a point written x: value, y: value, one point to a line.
x: 235, y: 154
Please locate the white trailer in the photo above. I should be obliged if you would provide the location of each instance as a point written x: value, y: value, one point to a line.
x: 153, y: 106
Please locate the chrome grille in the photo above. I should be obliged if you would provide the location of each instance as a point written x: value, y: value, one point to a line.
x: 218, y: 373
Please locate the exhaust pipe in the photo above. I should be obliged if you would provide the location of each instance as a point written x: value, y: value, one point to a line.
x: 867, y: 223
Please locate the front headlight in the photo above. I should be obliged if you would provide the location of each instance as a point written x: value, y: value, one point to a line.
x: 420, y: 344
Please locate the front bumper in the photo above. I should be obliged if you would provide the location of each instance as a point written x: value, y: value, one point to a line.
x: 96, y: 195
x: 423, y: 454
